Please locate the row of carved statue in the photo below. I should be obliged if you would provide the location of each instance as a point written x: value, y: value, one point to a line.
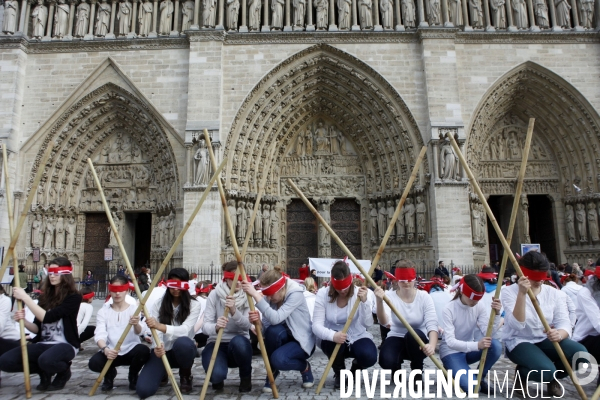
x: 53, y: 232
x: 61, y: 20
x: 265, y: 229
x: 411, y: 225
x: 582, y: 223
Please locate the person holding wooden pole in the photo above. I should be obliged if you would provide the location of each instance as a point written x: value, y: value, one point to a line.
x: 332, y: 309
x: 9, y: 334
x: 57, y: 340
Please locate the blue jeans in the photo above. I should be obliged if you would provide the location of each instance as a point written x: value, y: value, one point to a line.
x: 284, y: 351
x: 363, y: 351
x: 460, y: 361
x: 181, y: 355
x: 49, y: 358
x: 234, y: 354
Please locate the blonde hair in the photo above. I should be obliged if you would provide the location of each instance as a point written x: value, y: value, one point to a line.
x: 310, y: 285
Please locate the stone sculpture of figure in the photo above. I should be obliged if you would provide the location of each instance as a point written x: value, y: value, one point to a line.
x: 570, y: 221
x: 247, y: 214
x: 11, y: 12
x: 36, y: 231
x: 233, y: 8
x: 300, y: 145
x: 476, y: 13
x: 399, y: 226
x: 373, y: 214
x: 309, y: 143
x: 258, y: 228
x: 587, y: 13
x: 187, y: 11
x: 344, y: 14
x: 201, y: 167
x: 254, y: 15
x: 592, y: 217
x: 241, y: 221
x: 387, y: 13
x: 390, y: 215
x: 475, y: 222
x: 83, y: 15
x: 274, y: 226
x: 145, y: 17
x: 409, y: 219
x: 60, y: 233
x: 322, y: 138
x: 455, y: 12
x: 525, y: 217
x: 209, y: 13
x: 563, y: 13
x: 499, y: 19
x: 266, y: 225
x: 322, y: 7
x: 421, y: 209
x: 124, y: 17
x: 61, y: 19
x: 70, y: 231
x: 482, y: 222
x: 434, y: 12
x: 233, y: 214
x: 299, y: 12
x: 365, y: 13
x: 541, y: 13
x: 102, y: 19
x: 323, y: 234
x: 381, y: 219
x: 520, y: 14
x: 166, y: 17
x: 408, y: 13
x: 49, y: 233
x: 277, y: 14
x: 580, y: 216
x: 448, y: 161
x: 39, y: 17
x: 171, y: 229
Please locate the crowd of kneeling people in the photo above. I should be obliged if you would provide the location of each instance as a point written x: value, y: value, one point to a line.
x: 296, y: 320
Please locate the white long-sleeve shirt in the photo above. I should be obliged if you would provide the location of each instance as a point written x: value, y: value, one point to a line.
x: 328, y: 318
x: 531, y: 330
x: 588, y: 315
x: 571, y: 307
x: 83, y: 316
x: 175, y: 330
x: 571, y: 289
x: 110, y: 325
x: 8, y: 330
x: 463, y: 325
x: 420, y: 314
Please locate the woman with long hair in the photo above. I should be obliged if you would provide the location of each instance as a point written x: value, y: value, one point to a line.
x: 288, y: 336
x: 528, y: 345
x: 173, y: 317
x: 235, y: 350
x: 464, y: 319
x: 310, y: 285
x: 57, y: 340
x: 419, y: 310
x: 111, y: 321
x: 332, y: 310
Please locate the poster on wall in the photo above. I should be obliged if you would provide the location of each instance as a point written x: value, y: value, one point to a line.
x: 527, y: 247
x: 323, y: 266
x: 108, y: 254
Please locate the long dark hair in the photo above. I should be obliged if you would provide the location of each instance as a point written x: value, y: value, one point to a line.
x: 165, y: 314
x: 534, y: 261
x: 340, y: 270
x: 53, y: 296
x: 474, y: 282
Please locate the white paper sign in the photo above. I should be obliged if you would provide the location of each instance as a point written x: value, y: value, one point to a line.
x: 323, y: 266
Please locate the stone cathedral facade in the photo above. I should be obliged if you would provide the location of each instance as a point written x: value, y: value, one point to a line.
x: 338, y: 96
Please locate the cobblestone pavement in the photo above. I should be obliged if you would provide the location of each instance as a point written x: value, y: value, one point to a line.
x: 288, y: 383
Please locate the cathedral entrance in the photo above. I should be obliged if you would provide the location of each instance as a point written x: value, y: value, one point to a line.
x: 345, y: 221
x: 302, y: 238
x: 137, y: 238
x: 97, y: 237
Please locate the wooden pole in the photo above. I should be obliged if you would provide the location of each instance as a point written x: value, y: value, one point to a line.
x: 242, y: 271
x: 386, y: 237
x: 508, y: 251
x: 362, y: 271
x: 596, y: 394
x: 17, y: 281
x: 32, y: 191
x: 132, y: 274
x: 511, y: 227
x: 158, y: 273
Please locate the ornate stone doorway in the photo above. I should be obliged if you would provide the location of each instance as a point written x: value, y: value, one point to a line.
x: 302, y: 238
x: 345, y: 221
x: 97, y: 236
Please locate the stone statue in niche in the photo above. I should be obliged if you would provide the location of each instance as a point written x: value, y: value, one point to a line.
x: 201, y: 165
x: 525, y: 217
x: 592, y: 217
x: 113, y: 239
x: 258, y: 228
x: 409, y: 219
x: 103, y: 19
x: 498, y: 9
x: 39, y: 17
x: 390, y: 216
x: 570, y: 221
x: 171, y: 228
x: 124, y: 17
x: 408, y: 13
x: 381, y: 219
x: 387, y: 14
x: 448, y: 162
x: 247, y: 215
x: 475, y: 216
x: 300, y: 145
x: 233, y: 9
x: 563, y: 13
x: 476, y: 13
x: 580, y: 217
x: 60, y: 233
x: 344, y: 14
x: 277, y: 14
x: 36, y: 231
x: 309, y: 142
x: 421, y: 209
x: 322, y: 7
x: 434, y: 13
x: 241, y: 221
x: 365, y: 13
x: 587, y: 13
x: 11, y: 12
x: 323, y: 234
x: 145, y: 17
x: 187, y: 11
x: 61, y: 19
x: 166, y: 17
x: 520, y: 14
x: 322, y: 138
x: 455, y: 12
x: 541, y: 13
x: 49, y: 233
x: 253, y: 14
x: 233, y: 215
x: 373, y: 215
x: 266, y: 225
x: 339, y: 136
x: 70, y: 231
x: 400, y: 232
x: 274, y: 227
x: 299, y: 12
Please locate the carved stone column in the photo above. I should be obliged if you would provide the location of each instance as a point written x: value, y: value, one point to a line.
x: 175, y: 31
x: 467, y: 27
x: 189, y: 161
x: 288, y: 25
x: 111, y: 28
x: 436, y: 164
x: 196, y: 25
x: 309, y: 21
x: 509, y: 17
x: 18, y: 195
x: 27, y: 16
x: 445, y: 16
x: 399, y: 26
x: 134, y: 21
x: 463, y: 173
x: 488, y: 21
x: 244, y: 26
x: 221, y: 24
x: 355, y: 25
x: 552, y: 9
x: 90, y: 35
x: 376, y: 25
x: 23, y: 18
x: 575, y: 16
x: 154, y: 22
x: 50, y: 22
x: 71, y: 17
x: 421, y: 16
x: 532, y: 26
x: 265, y: 25
x: 332, y: 26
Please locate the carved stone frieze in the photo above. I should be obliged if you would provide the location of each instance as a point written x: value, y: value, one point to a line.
x: 352, y: 186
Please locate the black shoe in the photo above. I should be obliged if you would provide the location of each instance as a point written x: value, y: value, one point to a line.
x: 245, y: 385
x: 218, y: 386
x: 164, y: 381
x: 355, y: 367
x: 185, y: 380
x: 109, y: 380
x: 61, y: 379
x: 45, y: 380
x: 337, y: 380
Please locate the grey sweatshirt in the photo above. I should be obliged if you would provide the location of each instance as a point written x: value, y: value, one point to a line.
x: 238, y: 324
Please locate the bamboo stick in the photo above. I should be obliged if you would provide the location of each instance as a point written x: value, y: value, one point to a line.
x: 362, y: 271
x: 375, y: 261
x: 161, y: 269
x: 596, y: 394
x: 242, y: 271
x: 507, y: 250
x: 11, y: 223
x: 26, y: 206
x: 132, y: 274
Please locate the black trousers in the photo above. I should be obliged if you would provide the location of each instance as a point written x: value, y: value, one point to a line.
x: 50, y: 358
x: 87, y: 333
x: 135, y: 358
x: 592, y: 344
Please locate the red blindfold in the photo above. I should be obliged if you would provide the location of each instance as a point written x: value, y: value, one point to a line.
x: 231, y: 275
x: 64, y: 270
x: 341, y: 284
x: 469, y: 292
x: 175, y: 284
x: 89, y: 296
x: 118, y: 288
x: 535, y: 275
x: 274, y: 287
x: 405, y: 274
